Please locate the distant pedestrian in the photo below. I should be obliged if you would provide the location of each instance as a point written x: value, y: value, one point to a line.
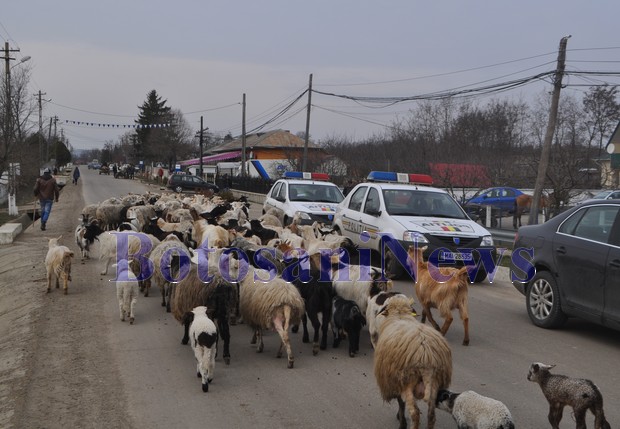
x: 76, y: 175
x: 160, y: 174
x: 114, y: 170
x: 55, y: 171
x: 47, y: 190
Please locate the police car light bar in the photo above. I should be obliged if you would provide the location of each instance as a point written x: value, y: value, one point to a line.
x: 305, y: 175
x: 387, y: 176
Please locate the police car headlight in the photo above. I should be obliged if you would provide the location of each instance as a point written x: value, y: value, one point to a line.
x: 415, y: 237
x: 303, y: 215
x: 487, y: 240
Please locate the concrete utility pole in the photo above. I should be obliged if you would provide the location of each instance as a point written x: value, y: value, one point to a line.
x: 546, y: 149
x: 201, y: 142
x: 243, y: 156
x: 39, y: 94
x: 305, y: 158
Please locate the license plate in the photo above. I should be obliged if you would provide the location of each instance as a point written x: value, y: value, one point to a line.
x: 455, y: 256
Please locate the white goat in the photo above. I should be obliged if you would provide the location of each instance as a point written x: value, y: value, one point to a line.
x: 126, y: 291
x: 58, y: 264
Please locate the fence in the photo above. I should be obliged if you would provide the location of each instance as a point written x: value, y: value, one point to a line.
x: 248, y: 184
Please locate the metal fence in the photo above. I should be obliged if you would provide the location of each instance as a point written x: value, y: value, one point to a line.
x: 248, y: 184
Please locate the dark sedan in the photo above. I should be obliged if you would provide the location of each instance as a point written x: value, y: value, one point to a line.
x: 570, y: 266
x: 180, y: 182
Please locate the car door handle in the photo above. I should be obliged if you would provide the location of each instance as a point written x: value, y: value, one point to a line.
x: 615, y: 263
x: 561, y: 250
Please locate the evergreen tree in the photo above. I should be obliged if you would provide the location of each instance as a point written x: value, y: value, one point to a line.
x: 152, y: 121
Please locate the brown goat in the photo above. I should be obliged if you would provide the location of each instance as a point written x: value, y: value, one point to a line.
x: 445, y: 295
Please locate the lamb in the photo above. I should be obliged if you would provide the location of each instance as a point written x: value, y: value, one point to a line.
x: 376, y: 302
x: 218, y: 295
x: 58, y: 264
x: 445, y: 295
x: 580, y: 394
x: 203, y: 334
x: 268, y: 302
x: 126, y: 291
x: 412, y: 361
x: 317, y: 296
x: 347, y: 318
x: 471, y: 410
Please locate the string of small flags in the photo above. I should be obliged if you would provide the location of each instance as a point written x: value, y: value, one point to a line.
x: 134, y: 126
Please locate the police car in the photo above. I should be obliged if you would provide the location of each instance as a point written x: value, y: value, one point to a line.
x: 410, y: 211
x: 310, y: 196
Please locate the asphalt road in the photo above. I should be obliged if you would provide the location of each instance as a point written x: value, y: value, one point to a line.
x: 332, y: 390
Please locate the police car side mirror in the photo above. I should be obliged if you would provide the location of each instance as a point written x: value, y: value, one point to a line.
x: 279, y: 198
x: 375, y: 213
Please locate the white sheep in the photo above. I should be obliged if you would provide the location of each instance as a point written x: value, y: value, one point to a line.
x: 108, y: 244
x: 412, y: 361
x: 266, y: 301
x: 174, y: 248
x: 203, y: 339
x: 472, y: 410
x: 58, y: 264
x: 376, y: 302
x: 126, y: 291
x: 354, y: 283
x: 580, y: 394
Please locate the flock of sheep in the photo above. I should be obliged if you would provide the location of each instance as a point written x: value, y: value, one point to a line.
x: 214, y: 267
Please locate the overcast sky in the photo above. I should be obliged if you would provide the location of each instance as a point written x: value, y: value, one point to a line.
x: 97, y: 61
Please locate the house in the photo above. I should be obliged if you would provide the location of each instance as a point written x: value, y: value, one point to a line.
x: 268, y: 154
x: 610, y: 167
x: 459, y: 175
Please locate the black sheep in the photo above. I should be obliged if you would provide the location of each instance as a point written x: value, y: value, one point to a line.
x: 347, y: 318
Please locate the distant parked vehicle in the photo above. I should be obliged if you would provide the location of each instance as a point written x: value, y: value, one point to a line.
x: 501, y: 199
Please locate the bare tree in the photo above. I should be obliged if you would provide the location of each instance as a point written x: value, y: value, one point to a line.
x: 602, y: 113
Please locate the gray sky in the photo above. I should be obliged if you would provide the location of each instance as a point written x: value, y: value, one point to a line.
x: 98, y: 60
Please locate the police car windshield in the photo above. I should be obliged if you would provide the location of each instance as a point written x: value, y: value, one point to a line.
x: 320, y: 193
x: 415, y: 202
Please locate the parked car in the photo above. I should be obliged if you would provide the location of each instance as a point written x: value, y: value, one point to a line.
x: 413, y: 214
x: 501, y: 199
x: 310, y: 196
x: 610, y: 194
x: 569, y: 266
x: 180, y: 182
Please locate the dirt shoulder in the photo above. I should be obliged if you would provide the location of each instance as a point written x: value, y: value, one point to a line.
x: 56, y: 366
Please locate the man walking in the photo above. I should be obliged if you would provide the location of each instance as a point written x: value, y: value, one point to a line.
x: 47, y: 190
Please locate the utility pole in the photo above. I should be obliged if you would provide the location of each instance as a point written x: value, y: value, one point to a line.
x: 40, y: 127
x: 546, y: 149
x: 55, y: 141
x: 243, y: 141
x: 8, y: 129
x: 305, y: 158
x: 201, y: 141
x: 49, y: 139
